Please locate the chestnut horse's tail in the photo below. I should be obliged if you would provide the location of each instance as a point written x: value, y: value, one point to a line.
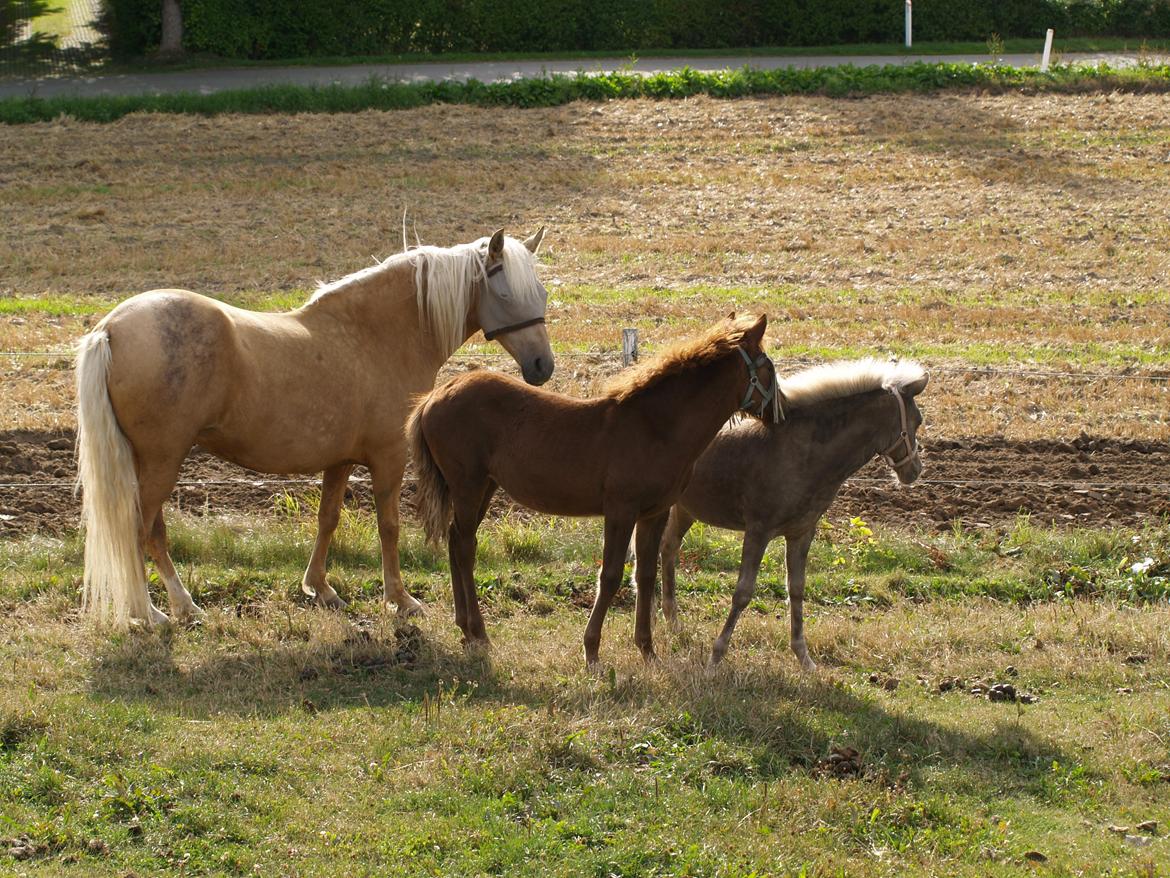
x: 433, y: 497
x: 114, y: 586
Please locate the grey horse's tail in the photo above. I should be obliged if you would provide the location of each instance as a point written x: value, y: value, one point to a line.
x: 433, y: 497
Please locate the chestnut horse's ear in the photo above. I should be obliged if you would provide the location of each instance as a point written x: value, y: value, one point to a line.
x: 496, y: 245
x: 533, y: 243
x: 755, y: 335
x: 916, y: 387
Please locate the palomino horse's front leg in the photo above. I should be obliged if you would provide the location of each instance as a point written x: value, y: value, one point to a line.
x: 333, y: 484
x: 796, y: 559
x: 617, y: 541
x: 386, y: 478
x: 754, y: 544
x: 676, y: 528
x: 648, y: 537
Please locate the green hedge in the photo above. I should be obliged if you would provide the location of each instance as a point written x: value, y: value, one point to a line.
x: 279, y: 29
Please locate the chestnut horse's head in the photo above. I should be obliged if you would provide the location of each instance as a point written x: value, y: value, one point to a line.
x: 512, y: 302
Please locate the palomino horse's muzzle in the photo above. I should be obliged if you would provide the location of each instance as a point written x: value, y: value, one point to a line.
x: 907, y: 446
x: 768, y: 395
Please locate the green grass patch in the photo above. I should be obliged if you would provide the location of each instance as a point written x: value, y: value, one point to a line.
x: 556, y: 89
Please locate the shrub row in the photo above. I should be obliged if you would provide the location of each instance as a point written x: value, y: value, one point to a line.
x: 554, y: 90
x: 278, y: 29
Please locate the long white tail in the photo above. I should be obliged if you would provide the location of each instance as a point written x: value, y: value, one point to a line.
x: 114, y: 588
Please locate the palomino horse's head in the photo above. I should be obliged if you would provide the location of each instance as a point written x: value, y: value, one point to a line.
x: 902, y: 452
x: 512, y: 303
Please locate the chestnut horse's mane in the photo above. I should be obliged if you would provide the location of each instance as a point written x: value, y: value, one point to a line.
x: 836, y: 380
x: 717, y: 342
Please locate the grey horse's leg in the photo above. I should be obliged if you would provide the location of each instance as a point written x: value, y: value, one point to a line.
x: 333, y: 484
x: 617, y: 540
x: 754, y: 544
x: 796, y: 559
x: 648, y: 537
x: 676, y: 528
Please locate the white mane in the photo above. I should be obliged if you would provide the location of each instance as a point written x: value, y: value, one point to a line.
x: 835, y: 380
x: 443, y: 281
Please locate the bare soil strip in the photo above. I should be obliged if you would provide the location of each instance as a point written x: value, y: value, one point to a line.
x: 971, y: 480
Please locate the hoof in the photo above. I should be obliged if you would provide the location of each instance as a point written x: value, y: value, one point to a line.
x: 409, y: 607
x: 190, y: 616
x: 808, y: 665
x: 479, y: 646
x: 158, y: 617
x: 330, y: 601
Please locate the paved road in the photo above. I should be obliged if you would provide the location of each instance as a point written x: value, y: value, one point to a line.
x: 221, y: 79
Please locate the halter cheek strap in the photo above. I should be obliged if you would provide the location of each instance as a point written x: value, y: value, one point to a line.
x: 767, y: 394
x: 910, y: 449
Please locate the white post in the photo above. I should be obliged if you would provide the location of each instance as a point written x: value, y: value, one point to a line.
x: 909, y: 40
x: 629, y: 346
x: 1047, y: 50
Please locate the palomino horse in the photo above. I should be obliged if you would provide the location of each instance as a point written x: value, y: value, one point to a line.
x: 626, y: 456
x: 771, y: 480
x: 325, y: 387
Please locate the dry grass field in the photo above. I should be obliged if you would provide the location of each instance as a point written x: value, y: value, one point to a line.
x: 1019, y: 245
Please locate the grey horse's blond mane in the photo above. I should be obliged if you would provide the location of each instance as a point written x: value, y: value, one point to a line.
x: 835, y: 380
x: 444, y: 278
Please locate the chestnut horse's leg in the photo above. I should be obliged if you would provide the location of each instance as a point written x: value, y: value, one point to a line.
x: 754, y: 544
x: 386, y: 478
x: 796, y: 559
x: 469, y: 511
x: 333, y: 484
x: 676, y: 528
x: 617, y: 541
x: 648, y: 537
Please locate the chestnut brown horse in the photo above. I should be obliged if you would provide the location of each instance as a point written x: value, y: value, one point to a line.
x: 771, y: 480
x: 626, y: 455
x: 325, y: 387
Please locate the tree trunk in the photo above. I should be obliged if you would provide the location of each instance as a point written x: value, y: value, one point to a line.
x: 172, y: 30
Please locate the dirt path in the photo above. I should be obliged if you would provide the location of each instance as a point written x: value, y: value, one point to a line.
x: 978, y: 481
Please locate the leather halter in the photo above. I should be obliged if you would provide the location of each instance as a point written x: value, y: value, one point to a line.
x: 767, y: 394
x: 903, y: 440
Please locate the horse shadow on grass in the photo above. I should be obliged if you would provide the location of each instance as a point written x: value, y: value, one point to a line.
x: 763, y: 723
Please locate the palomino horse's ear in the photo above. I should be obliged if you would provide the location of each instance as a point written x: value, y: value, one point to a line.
x: 533, y: 243
x: 916, y: 387
x: 755, y: 335
x: 496, y: 245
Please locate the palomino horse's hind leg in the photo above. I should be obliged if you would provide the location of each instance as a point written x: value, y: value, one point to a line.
x: 676, y: 528
x: 754, y: 544
x: 155, y: 483
x: 387, y: 484
x: 183, y: 608
x: 617, y: 540
x: 333, y: 484
x: 796, y: 559
x: 648, y: 537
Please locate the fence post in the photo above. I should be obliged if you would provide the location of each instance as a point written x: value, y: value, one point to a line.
x: 1047, y: 51
x: 909, y: 39
x: 629, y: 346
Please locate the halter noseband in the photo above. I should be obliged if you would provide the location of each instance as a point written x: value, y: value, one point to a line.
x: 767, y: 394
x: 903, y: 440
